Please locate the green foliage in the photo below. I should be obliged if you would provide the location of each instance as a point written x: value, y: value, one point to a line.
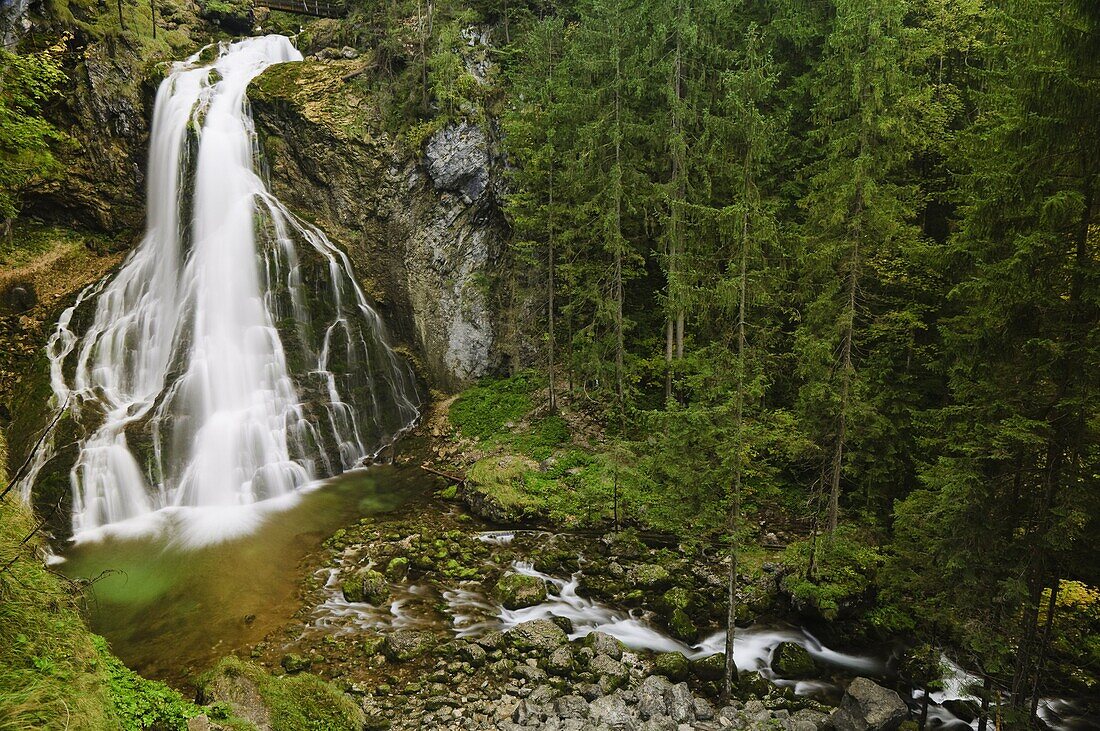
x: 844, y: 570
x: 484, y: 409
x: 140, y: 703
x: 27, y: 82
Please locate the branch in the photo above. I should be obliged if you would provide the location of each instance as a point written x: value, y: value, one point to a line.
x: 34, y: 450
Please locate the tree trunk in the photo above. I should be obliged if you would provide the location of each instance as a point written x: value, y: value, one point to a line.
x: 846, y: 373
x: 550, y: 263
x: 987, y: 691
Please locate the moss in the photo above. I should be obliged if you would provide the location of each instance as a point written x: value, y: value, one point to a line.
x: 301, y: 702
x: 517, y: 591
x: 54, y: 673
x: 485, y: 409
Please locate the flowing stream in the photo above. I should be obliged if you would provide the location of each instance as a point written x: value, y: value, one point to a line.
x: 233, y: 358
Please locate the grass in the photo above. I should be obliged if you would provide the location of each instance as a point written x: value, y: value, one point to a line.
x: 301, y: 702
x: 54, y: 672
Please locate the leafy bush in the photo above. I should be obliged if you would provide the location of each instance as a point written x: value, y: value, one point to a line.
x: 141, y: 703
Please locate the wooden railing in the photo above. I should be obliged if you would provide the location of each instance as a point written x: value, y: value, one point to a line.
x: 318, y: 8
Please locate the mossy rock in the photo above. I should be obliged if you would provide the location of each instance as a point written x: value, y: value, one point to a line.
x: 650, y: 576
x: 752, y: 685
x: 397, y: 569
x: 287, y: 703
x: 792, y: 661
x: 672, y: 665
x: 626, y: 543
x: 234, y: 16
x: 542, y: 635
x: 367, y: 585
x: 517, y: 591
x: 403, y: 644
x: 711, y: 667
x: 293, y: 663
x: 676, y: 598
x: 681, y: 625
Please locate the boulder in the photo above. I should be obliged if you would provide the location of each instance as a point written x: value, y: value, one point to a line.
x: 711, y: 667
x: 397, y: 569
x: 366, y: 585
x: 612, y: 673
x: 681, y: 625
x: 672, y: 665
x: 560, y: 661
x: 792, y: 661
x: 652, y: 696
x: 867, y: 706
x: 681, y: 703
x: 517, y: 591
x: 571, y: 706
x: 295, y: 663
x: 611, y: 710
x: 650, y: 576
x: 537, y: 634
x: 604, y: 644
x: 406, y: 644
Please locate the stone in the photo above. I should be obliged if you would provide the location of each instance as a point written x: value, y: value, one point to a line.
x: 349, y: 53
x: 491, y: 640
x: 537, y: 634
x: 571, y: 706
x: 681, y: 703
x: 672, y: 665
x: 867, y: 706
x: 293, y: 663
x: 405, y: 644
x: 20, y: 297
x: 518, y: 591
x: 682, y: 626
x: 650, y: 576
x: 612, y: 711
x: 653, y: 697
x: 457, y: 157
x: 711, y: 667
x: 397, y: 569
x: 604, y: 644
x: 560, y: 661
x: 792, y: 661
x: 612, y: 673
x: 704, y: 711
x: 660, y: 723
x: 808, y: 720
x: 965, y: 710
x: 366, y: 585
x: 473, y: 653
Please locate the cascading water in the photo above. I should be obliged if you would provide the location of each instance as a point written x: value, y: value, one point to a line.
x: 234, y: 357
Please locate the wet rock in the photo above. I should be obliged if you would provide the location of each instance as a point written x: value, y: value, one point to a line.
x: 681, y: 625
x: 491, y: 640
x: 295, y: 663
x: 604, y: 644
x: 405, y: 644
x: 793, y: 661
x: 711, y: 667
x: 397, y: 569
x: 473, y: 653
x: 367, y: 585
x: 867, y: 706
x: 672, y: 665
x: 235, y: 16
x: 517, y: 591
x: 537, y: 634
x: 963, y: 709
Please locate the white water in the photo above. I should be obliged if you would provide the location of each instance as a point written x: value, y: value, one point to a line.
x: 233, y: 358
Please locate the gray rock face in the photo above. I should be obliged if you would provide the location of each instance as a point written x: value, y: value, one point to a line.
x: 604, y: 644
x: 867, y: 706
x: 653, y: 697
x: 458, y: 161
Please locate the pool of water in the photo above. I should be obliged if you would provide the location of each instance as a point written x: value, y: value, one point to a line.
x: 175, y: 592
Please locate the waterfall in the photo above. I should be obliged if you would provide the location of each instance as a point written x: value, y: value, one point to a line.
x: 233, y: 357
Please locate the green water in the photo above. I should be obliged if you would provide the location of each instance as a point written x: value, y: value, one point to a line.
x: 169, y: 610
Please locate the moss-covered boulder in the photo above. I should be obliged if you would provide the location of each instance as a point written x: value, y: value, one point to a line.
x: 366, y: 585
x: 681, y: 625
x: 516, y: 591
x: 287, y: 703
x: 293, y: 663
x: 711, y: 667
x: 397, y: 569
x: 650, y: 576
x: 793, y: 661
x: 672, y: 665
